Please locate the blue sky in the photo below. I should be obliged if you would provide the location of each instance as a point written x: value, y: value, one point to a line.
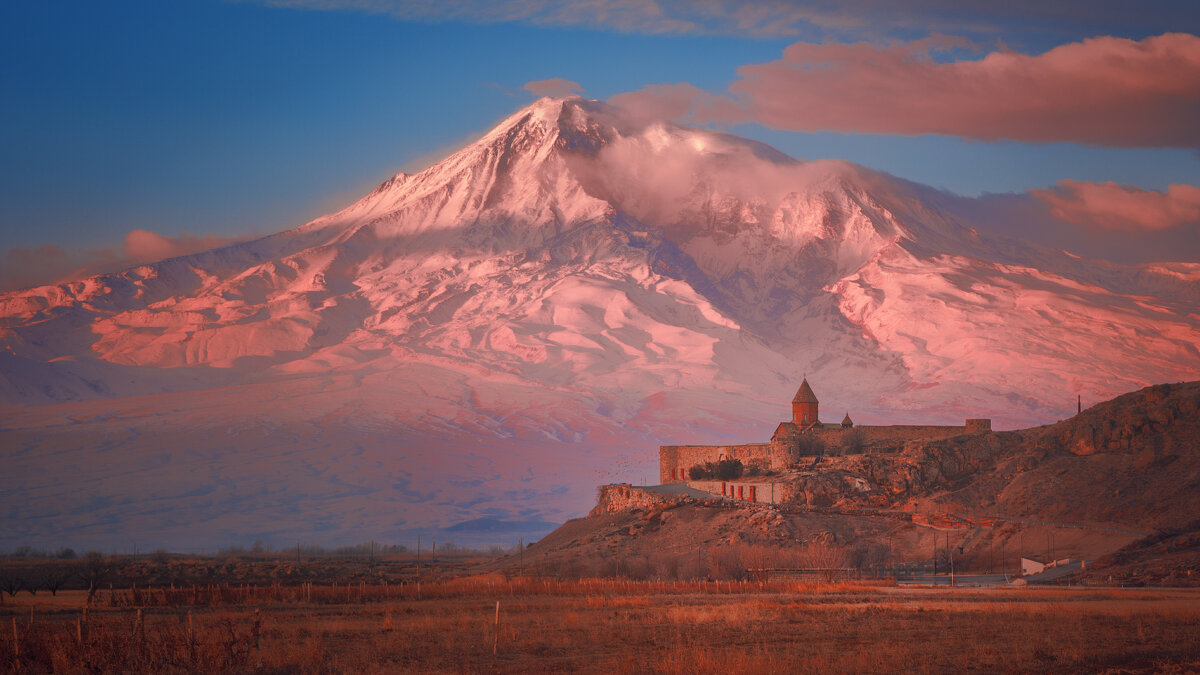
x: 227, y: 119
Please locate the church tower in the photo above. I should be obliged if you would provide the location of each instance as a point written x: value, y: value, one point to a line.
x: 804, y: 406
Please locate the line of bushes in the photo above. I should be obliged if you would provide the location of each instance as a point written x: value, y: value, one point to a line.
x: 725, y: 469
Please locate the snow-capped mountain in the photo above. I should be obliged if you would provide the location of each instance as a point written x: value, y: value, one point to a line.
x: 490, y: 337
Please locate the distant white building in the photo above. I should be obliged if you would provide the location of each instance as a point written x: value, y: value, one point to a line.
x: 1031, y: 566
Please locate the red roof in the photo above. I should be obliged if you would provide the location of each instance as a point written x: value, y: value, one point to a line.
x: 805, y: 395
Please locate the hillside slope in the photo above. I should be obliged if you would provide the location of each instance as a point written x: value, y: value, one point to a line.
x: 1081, y: 488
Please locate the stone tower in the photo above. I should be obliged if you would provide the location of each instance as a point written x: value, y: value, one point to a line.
x: 804, y: 406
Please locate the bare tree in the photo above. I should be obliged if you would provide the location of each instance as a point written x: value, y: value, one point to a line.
x: 726, y: 562
x: 53, y: 577
x: 96, y: 568
x: 11, y: 583
x: 825, y: 556
x: 869, y: 555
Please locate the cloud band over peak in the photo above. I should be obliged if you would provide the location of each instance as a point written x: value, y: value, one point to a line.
x: 1122, y: 207
x: 1103, y: 91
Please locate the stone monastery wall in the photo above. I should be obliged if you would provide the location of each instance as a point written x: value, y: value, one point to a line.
x: 785, y: 447
x: 761, y: 490
x: 675, y: 460
x: 892, y: 433
x: 623, y: 496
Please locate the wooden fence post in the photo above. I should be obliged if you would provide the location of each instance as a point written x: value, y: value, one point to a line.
x: 496, y: 639
x: 257, y: 632
x: 191, y: 639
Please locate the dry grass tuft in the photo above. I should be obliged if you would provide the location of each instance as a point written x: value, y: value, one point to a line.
x: 602, y: 625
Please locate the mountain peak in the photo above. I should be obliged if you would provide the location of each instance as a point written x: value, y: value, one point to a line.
x: 543, y: 307
x: 543, y: 113
x: 513, y: 173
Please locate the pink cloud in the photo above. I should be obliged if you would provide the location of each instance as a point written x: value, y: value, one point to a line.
x: 556, y: 87
x: 778, y: 18
x: 1101, y: 91
x: 1122, y: 207
x: 146, y: 246
x: 682, y: 102
x: 49, y: 264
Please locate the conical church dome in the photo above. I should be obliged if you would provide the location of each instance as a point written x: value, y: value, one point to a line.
x: 805, y: 394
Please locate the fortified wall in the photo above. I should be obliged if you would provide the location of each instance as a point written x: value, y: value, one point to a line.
x: 623, y: 496
x: 675, y: 460
x: 795, y: 439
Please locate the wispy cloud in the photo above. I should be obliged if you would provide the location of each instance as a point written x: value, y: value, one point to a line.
x: 801, y: 19
x: 630, y: 16
x: 1122, y: 207
x: 48, y: 264
x: 1101, y: 91
x: 555, y: 86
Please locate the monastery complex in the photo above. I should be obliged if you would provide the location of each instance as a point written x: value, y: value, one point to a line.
x: 805, y: 434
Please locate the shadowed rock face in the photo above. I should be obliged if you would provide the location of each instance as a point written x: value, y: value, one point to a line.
x: 1133, y: 461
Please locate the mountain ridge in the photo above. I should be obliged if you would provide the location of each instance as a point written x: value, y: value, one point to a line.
x: 594, y: 287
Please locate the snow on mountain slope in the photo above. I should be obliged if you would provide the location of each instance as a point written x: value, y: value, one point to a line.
x: 491, y: 336
x: 1014, y: 328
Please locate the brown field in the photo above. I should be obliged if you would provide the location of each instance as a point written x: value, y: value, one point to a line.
x: 605, y: 626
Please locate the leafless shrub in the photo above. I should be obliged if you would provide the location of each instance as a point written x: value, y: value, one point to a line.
x: 664, y: 566
x: 726, y: 563
x: 54, y: 577
x: 869, y: 554
x: 96, y: 570
x: 11, y: 583
x: 823, y: 555
x: 853, y: 441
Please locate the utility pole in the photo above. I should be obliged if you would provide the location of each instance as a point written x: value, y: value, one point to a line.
x: 950, y: 550
x: 935, y: 565
x: 950, y: 555
x: 521, y: 543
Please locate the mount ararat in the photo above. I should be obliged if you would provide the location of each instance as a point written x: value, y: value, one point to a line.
x: 479, y: 344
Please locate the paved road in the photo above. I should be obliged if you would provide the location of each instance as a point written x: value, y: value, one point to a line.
x: 972, y: 580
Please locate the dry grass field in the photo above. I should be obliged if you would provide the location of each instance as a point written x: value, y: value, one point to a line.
x: 603, y: 626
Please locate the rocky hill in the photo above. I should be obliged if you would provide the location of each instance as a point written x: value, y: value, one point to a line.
x: 1124, y: 474
x: 1133, y: 460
